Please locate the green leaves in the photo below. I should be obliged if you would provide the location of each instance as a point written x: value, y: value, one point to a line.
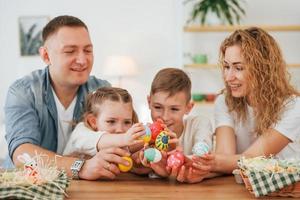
x: 30, y: 41
x: 228, y: 11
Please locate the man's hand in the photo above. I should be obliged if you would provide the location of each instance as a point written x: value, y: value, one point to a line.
x: 104, y: 164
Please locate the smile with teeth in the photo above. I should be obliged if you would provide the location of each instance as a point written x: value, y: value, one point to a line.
x: 235, y: 86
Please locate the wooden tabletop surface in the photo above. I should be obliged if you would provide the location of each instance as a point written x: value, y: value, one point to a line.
x: 129, y: 186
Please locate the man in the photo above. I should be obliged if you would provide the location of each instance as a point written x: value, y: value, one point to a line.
x: 41, y: 107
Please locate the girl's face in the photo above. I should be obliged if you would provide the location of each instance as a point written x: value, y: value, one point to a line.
x: 234, y: 71
x: 114, y: 117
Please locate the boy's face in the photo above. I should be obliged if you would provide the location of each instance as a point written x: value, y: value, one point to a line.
x: 170, y: 109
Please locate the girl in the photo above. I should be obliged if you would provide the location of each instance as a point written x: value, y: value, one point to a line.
x: 107, y: 110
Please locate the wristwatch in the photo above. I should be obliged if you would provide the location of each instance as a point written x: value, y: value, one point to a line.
x: 76, y: 167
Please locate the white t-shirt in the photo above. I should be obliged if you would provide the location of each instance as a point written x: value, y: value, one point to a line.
x: 83, y: 141
x: 288, y: 125
x: 64, y: 119
x: 196, y: 129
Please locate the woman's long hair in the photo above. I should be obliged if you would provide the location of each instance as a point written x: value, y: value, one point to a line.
x: 266, y: 75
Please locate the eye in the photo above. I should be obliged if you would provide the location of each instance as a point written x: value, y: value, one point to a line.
x: 239, y: 68
x: 175, y: 109
x: 110, y: 121
x: 226, y: 67
x: 69, y: 51
x: 157, y: 107
x: 88, y: 50
x: 128, y: 122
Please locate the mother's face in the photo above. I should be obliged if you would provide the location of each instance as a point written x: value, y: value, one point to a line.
x: 234, y: 72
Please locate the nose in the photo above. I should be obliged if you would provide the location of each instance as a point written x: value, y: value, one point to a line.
x: 81, y: 58
x: 165, y: 116
x: 229, y: 74
x: 120, y: 128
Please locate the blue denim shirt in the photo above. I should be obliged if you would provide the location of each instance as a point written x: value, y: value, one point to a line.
x: 30, y: 111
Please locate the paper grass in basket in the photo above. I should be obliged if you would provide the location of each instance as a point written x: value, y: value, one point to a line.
x: 271, y: 176
x: 38, y: 179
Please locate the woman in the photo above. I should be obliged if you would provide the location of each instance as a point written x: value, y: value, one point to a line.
x: 258, y: 112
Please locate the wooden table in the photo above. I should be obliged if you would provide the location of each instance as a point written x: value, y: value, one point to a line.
x: 129, y: 186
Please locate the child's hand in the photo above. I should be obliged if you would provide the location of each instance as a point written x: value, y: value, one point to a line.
x: 132, y: 136
x: 173, y: 141
x: 138, y: 167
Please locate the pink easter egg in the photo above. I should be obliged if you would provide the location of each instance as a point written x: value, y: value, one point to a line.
x: 176, y: 159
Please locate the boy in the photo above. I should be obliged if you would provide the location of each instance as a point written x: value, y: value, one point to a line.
x: 170, y: 101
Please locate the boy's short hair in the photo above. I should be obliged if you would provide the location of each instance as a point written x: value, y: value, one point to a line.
x: 61, y: 21
x: 172, y: 80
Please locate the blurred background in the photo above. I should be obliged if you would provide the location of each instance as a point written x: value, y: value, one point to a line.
x: 143, y: 36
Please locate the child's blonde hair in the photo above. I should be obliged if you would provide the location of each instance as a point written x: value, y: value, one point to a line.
x: 267, y: 77
x: 96, y: 98
x: 172, y: 81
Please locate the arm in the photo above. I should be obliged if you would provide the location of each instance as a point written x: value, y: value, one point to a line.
x: 225, y: 158
x: 272, y: 142
x: 24, y: 134
x: 124, y: 139
x: 99, y: 166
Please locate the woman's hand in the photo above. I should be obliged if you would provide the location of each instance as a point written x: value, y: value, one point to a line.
x: 205, y: 162
x: 160, y: 167
x: 191, y: 175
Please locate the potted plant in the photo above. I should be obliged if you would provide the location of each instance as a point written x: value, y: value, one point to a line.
x: 227, y: 11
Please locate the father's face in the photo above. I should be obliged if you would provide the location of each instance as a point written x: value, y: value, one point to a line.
x: 70, y: 56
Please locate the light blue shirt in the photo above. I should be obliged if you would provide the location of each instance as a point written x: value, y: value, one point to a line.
x: 30, y: 111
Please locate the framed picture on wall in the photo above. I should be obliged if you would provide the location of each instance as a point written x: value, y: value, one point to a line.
x: 30, y: 31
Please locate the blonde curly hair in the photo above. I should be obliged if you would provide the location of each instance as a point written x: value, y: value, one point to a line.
x: 266, y: 75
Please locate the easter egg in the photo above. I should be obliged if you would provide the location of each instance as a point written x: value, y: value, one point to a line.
x: 176, y: 159
x: 156, y: 128
x: 162, y: 141
x: 147, y: 137
x: 152, y: 155
x: 200, y: 148
x: 124, y: 168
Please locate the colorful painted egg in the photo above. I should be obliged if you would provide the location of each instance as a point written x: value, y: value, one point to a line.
x: 147, y: 137
x: 156, y: 127
x: 124, y: 168
x: 152, y: 155
x: 176, y: 159
x: 200, y: 148
x: 162, y: 141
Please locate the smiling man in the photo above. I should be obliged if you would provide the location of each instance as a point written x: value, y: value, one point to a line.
x: 41, y: 108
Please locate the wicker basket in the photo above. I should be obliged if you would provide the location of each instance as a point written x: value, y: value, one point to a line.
x: 289, y: 191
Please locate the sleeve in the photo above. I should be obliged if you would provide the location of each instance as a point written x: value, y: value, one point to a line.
x: 288, y: 125
x: 83, y: 141
x: 204, y: 132
x: 222, y: 115
x: 21, y: 118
